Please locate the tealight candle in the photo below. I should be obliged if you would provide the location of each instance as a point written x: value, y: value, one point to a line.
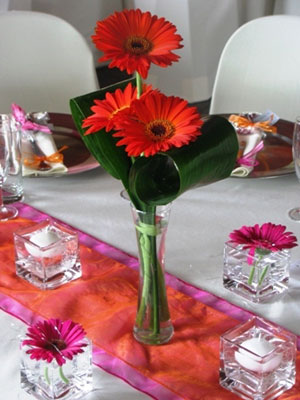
x: 47, y: 254
x: 43, y: 239
x: 249, y: 356
x: 257, y: 359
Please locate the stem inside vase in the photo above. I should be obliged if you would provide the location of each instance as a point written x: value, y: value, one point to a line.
x: 153, y: 324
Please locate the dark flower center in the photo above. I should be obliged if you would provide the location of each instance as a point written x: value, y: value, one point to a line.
x: 56, y: 344
x: 160, y: 130
x: 138, y: 45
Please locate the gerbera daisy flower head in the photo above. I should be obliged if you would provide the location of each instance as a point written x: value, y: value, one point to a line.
x: 133, y: 40
x: 106, y: 112
x: 157, y: 122
x: 55, y: 339
x: 265, y: 238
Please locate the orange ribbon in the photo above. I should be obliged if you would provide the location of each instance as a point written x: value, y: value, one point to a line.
x: 243, y: 122
x: 36, y: 161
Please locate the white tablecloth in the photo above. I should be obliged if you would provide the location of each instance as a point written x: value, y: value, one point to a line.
x: 201, y: 220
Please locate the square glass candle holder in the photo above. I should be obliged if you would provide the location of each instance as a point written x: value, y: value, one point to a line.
x: 257, y: 360
x: 47, y: 254
x: 256, y: 278
x: 49, y: 381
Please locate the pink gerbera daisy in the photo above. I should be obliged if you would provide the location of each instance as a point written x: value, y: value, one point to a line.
x: 55, y: 339
x: 267, y: 237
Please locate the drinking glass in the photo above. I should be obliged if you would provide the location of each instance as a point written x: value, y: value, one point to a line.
x: 294, y: 213
x: 13, y: 184
x: 6, y: 212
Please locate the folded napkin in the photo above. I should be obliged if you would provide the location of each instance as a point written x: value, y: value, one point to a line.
x: 39, y: 152
x: 252, y: 145
x: 251, y: 130
x: 41, y: 157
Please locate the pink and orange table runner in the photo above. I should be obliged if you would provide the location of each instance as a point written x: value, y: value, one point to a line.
x: 104, y: 301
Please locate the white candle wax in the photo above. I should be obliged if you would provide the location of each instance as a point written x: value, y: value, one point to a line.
x: 260, y: 347
x: 43, y: 239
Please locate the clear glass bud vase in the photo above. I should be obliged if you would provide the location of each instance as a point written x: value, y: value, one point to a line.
x: 153, y: 324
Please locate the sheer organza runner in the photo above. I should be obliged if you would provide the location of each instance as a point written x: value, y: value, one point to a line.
x: 104, y: 301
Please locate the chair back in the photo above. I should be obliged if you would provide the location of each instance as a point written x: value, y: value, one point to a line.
x: 259, y: 69
x: 45, y: 61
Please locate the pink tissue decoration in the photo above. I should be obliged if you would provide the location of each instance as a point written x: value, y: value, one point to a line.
x: 27, y: 125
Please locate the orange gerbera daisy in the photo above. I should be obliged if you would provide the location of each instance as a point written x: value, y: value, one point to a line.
x: 106, y: 112
x: 158, y: 123
x: 133, y: 40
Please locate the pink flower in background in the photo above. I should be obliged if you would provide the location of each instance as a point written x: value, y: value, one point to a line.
x: 269, y: 237
x: 27, y: 125
x: 55, y: 339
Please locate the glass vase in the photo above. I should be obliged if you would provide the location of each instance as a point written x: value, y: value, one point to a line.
x: 258, y: 360
x: 256, y: 278
x: 153, y: 325
x: 49, y: 381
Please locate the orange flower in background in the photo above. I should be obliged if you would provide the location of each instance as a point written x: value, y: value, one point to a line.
x: 133, y: 40
x: 157, y: 123
x: 106, y: 112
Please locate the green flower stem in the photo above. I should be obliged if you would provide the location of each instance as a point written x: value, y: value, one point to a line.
x: 139, y: 84
x: 155, y: 290
x: 147, y: 232
x: 146, y: 272
x: 46, y: 374
x: 264, y: 273
x: 163, y: 299
x: 251, y: 275
x: 61, y: 374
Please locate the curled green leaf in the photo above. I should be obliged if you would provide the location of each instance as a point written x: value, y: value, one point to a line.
x: 162, y: 178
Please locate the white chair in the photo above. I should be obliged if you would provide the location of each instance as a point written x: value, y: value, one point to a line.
x: 45, y: 61
x: 259, y: 69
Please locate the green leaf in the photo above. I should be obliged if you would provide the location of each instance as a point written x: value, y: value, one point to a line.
x: 162, y: 178
x: 102, y: 144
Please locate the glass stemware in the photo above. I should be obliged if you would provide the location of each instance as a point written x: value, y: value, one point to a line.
x: 294, y: 213
x: 6, y: 212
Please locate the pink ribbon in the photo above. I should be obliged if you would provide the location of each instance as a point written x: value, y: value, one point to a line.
x: 249, y: 158
x: 20, y: 116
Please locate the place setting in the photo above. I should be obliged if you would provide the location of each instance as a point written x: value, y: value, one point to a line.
x: 265, y: 143
x: 40, y: 144
x: 51, y: 145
